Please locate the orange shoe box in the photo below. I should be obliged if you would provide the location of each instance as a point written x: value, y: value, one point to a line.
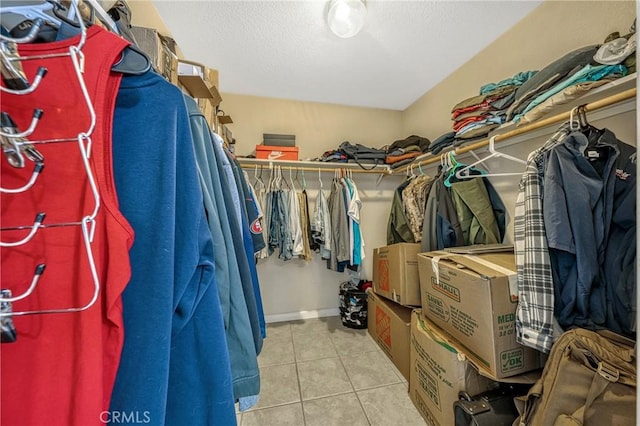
x: 277, y: 152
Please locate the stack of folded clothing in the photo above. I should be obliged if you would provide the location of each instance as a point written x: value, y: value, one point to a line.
x: 404, y: 151
x: 442, y: 142
x: 478, y: 115
x: 573, y: 75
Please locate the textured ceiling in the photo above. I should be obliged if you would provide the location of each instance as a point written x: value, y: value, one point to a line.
x: 284, y: 49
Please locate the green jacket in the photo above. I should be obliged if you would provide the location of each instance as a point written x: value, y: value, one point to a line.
x: 475, y: 212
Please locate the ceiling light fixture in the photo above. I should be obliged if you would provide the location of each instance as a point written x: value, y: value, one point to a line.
x: 346, y: 17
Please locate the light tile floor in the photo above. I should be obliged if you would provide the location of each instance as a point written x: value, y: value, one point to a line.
x: 319, y: 373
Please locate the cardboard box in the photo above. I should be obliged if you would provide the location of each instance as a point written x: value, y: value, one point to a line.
x: 273, y: 139
x: 389, y: 324
x: 212, y: 76
x: 209, y: 112
x: 160, y: 54
x: 439, y: 371
x: 277, y: 152
x: 474, y: 299
x: 395, y: 273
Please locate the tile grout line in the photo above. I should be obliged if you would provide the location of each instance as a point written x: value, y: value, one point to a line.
x: 295, y: 359
x: 366, y: 416
x: 375, y: 387
x: 354, y: 389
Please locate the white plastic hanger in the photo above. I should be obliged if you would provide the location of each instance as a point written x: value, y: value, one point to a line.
x: 463, y: 173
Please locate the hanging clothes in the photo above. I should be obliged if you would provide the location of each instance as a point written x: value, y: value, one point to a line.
x: 534, y: 314
x: 356, y: 239
x: 321, y: 225
x: 620, y: 255
x: 414, y: 198
x: 172, y: 265
x: 339, y: 228
x: 398, y: 229
x: 441, y: 228
x: 259, y: 243
x: 475, y: 212
x: 304, y: 223
x: 243, y: 244
x: 347, y: 194
x: 313, y: 245
x: 294, y: 223
x: 63, y: 366
x: 249, y: 210
x: 577, y: 224
x: 263, y: 214
x: 242, y: 352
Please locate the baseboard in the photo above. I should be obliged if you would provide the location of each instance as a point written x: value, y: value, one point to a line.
x: 293, y: 316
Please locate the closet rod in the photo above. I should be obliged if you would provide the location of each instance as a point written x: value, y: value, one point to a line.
x: 312, y: 166
x: 590, y: 107
x: 320, y: 168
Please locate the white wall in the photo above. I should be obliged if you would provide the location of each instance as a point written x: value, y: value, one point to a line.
x: 299, y: 289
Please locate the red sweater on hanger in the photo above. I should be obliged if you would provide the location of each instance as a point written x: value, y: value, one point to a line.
x: 62, y: 367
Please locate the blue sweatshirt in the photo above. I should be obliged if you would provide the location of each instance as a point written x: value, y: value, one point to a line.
x: 175, y: 363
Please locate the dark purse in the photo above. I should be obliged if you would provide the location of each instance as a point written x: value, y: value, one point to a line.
x: 491, y: 408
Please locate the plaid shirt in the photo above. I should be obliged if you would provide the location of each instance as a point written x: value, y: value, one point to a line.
x: 534, y: 315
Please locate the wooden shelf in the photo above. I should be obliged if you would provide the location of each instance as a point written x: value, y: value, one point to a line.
x: 225, y: 119
x: 197, y: 87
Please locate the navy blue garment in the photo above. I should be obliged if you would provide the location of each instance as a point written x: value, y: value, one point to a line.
x: 578, y: 204
x: 442, y: 142
x: 175, y: 362
x: 448, y: 229
x: 620, y: 256
x: 242, y: 353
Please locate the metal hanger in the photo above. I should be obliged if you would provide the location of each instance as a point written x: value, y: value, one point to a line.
x: 464, y: 173
x: 133, y: 60
x: 86, y: 223
x: 34, y: 282
x: 37, y: 169
x: 37, y: 222
x: 33, y: 32
x: 9, y: 124
x: 86, y: 237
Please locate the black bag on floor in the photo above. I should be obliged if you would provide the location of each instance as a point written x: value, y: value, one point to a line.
x: 491, y: 408
x: 353, y: 304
